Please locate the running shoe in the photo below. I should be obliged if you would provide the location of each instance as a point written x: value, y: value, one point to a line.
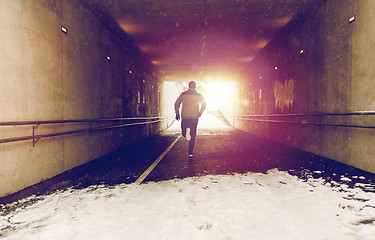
x: 188, y: 136
x: 191, y: 155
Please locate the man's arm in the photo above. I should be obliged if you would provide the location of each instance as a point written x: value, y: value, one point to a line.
x: 177, y: 107
x: 203, y: 106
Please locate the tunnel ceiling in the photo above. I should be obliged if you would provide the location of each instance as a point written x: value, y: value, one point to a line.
x: 199, y: 38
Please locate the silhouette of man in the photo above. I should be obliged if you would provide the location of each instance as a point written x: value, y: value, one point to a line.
x: 193, y: 105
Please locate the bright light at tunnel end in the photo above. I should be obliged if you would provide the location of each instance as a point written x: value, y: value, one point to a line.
x: 218, y: 94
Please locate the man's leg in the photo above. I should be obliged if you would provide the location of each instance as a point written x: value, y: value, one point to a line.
x: 183, y: 127
x: 193, y: 131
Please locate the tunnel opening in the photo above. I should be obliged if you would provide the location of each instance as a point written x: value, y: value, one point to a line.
x: 221, y: 97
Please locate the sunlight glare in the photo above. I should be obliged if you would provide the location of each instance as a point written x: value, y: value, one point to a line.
x: 219, y: 94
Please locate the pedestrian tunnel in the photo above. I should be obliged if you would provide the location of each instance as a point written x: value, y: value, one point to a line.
x: 77, y: 86
x: 88, y: 88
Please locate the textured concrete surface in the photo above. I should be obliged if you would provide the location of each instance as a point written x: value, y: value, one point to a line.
x: 319, y: 64
x: 87, y: 72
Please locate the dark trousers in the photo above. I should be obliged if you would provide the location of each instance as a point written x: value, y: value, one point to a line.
x: 191, y: 123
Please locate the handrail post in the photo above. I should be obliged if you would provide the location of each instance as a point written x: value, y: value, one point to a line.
x: 35, y: 140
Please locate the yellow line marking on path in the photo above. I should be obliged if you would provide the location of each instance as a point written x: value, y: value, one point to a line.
x: 148, y: 171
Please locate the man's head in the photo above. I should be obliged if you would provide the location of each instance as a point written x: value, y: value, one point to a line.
x: 192, y: 85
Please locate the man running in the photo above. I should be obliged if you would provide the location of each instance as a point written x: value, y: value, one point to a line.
x: 193, y: 105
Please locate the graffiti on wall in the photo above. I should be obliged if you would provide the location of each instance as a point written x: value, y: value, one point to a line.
x: 284, y: 94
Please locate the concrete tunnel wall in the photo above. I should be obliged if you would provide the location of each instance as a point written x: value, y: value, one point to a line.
x: 333, y: 74
x: 88, y: 72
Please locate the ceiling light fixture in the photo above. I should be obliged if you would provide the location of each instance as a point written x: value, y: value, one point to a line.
x: 64, y: 30
x: 352, y: 19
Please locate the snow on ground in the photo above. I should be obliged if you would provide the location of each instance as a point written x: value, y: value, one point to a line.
x: 275, y: 205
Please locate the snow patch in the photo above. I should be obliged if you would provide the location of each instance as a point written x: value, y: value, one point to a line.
x: 275, y: 205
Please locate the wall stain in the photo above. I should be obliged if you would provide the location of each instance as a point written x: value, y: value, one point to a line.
x: 284, y: 94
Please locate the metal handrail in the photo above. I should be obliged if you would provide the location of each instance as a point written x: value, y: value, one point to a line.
x: 246, y: 118
x: 36, y: 138
x: 361, y: 113
x: 18, y: 123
